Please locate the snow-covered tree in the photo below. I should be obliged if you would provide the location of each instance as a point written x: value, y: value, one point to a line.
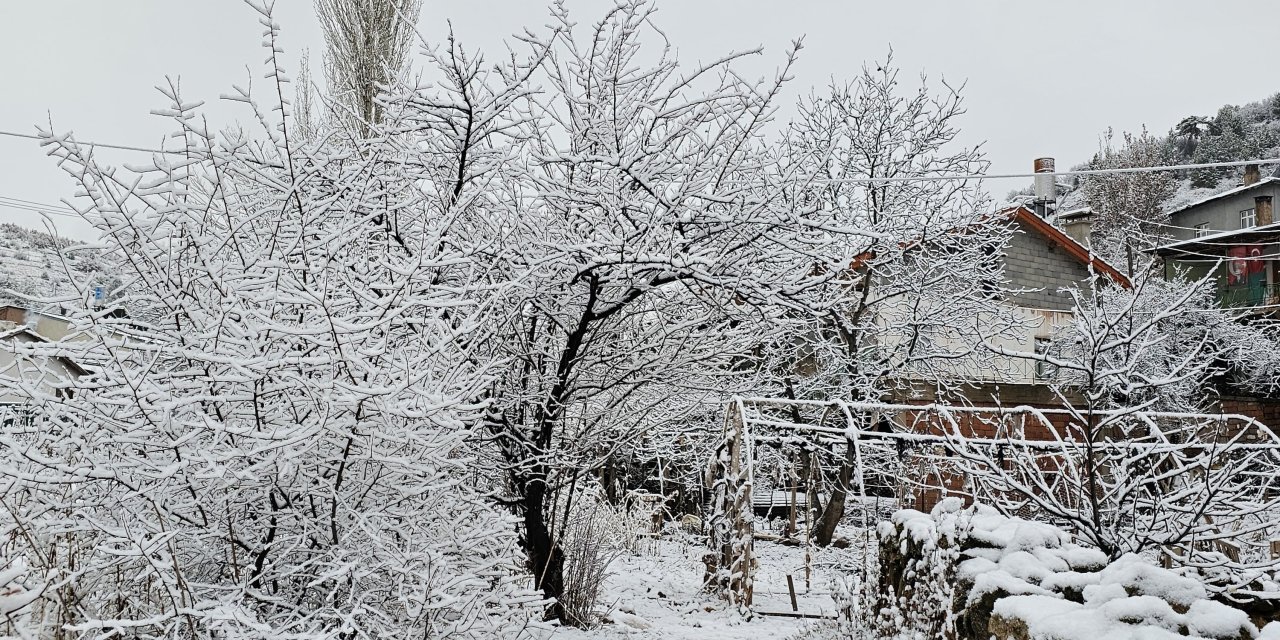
x: 641, y: 229
x: 367, y: 43
x: 1129, y: 205
x: 281, y: 442
x: 1133, y: 461
x: 914, y: 280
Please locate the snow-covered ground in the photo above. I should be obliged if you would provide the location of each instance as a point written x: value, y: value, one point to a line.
x: 659, y: 595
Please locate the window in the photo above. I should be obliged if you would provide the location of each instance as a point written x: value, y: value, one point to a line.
x: 1248, y: 218
x: 1202, y: 229
x: 1044, y: 370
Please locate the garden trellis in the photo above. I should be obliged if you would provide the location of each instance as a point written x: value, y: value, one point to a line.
x: 1200, y: 489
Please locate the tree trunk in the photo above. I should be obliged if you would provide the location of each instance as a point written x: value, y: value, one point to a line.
x: 546, y: 559
x: 825, y: 527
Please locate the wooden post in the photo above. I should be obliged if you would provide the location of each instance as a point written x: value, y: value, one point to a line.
x: 808, y: 525
x: 791, y: 588
x: 1275, y: 549
x: 739, y: 557
x: 791, y: 522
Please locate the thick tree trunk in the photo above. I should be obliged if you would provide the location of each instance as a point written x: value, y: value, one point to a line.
x: 546, y: 559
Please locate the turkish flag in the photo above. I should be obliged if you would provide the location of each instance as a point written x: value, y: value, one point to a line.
x: 1243, y: 261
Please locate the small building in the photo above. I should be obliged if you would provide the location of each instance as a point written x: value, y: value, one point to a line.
x: 47, y: 325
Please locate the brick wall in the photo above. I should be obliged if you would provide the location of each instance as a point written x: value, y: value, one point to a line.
x: 974, y: 425
x: 1264, y: 410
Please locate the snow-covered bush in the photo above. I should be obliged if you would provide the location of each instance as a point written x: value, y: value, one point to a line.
x: 282, y: 447
x: 593, y: 532
x: 1139, y: 458
x: 588, y: 552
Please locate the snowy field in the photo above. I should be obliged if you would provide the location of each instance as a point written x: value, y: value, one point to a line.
x: 659, y: 595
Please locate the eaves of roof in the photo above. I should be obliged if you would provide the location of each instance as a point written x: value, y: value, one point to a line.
x: 1060, y: 239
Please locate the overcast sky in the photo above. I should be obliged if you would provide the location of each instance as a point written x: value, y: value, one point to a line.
x: 1043, y: 78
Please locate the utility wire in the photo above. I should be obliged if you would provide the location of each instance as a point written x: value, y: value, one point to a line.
x: 891, y: 179
x: 1078, y: 172
x: 39, y: 205
x: 23, y: 205
x: 92, y: 144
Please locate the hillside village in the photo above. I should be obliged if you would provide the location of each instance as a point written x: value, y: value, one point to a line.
x: 589, y: 340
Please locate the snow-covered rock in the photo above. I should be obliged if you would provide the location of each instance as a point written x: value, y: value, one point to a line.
x: 1021, y: 580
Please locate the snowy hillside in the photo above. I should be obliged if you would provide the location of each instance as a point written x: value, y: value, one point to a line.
x: 1233, y: 134
x: 35, y: 264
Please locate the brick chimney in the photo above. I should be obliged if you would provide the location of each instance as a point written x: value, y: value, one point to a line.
x: 1262, y: 211
x: 1252, y: 174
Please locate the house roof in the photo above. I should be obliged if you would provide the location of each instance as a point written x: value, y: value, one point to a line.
x: 16, y: 331
x: 32, y: 336
x: 1215, y: 245
x: 1267, y: 181
x: 1051, y: 234
x: 1058, y: 238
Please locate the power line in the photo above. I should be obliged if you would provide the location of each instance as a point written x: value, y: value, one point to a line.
x: 31, y: 204
x: 1080, y: 172
x: 53, y: 211
x: 92, y: 144
x: 887, y: 179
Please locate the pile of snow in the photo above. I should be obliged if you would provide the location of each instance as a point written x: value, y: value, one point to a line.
x: 1128, y: 598
x: 1019, y: 579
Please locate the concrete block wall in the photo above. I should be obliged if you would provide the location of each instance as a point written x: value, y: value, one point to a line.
x: 1032, y: 262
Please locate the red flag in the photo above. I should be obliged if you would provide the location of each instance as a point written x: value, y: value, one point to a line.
x: 1243, y: 261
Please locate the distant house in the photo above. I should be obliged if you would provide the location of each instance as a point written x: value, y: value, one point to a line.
x: 22, y: 375
x: 1039, y: 261
x: 1043, y: 260
x: 1234, y: 237
x: 47, y: 325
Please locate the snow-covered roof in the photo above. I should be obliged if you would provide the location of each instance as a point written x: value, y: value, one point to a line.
x: 1215, y: 241
x: 1269, y: 180
x: 21, y: 330
x: 32, y: 336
